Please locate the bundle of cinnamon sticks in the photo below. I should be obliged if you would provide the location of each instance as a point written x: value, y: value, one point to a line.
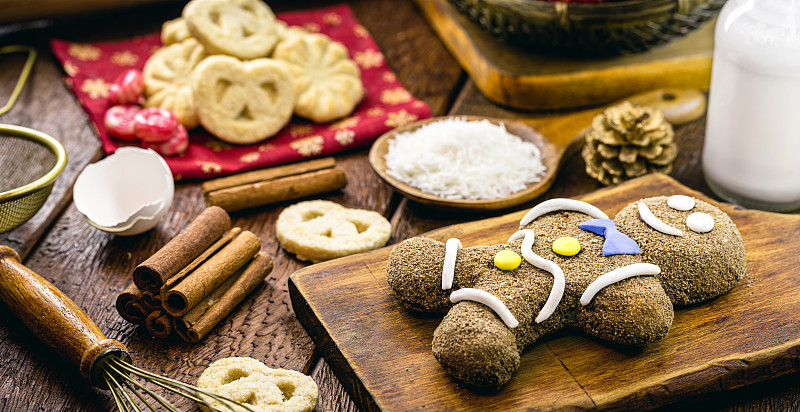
x: 196, y: 279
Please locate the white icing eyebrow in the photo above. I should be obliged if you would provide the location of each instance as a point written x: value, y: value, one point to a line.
x: 700, y: 222
x: 448, y: 271
x: 615, y: 276
x: 561, y: 204
x: 559, y: 283
x: 486, y: 298
x: 680, y: 202
x: 656, y: 223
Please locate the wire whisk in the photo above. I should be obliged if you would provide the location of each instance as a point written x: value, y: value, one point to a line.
x: 61, y: 324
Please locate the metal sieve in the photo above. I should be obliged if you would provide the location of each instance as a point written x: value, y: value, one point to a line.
x: 30, y: 161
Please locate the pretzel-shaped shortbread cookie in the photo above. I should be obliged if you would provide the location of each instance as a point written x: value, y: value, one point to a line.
x: 243, y: 102
x: 167, y: 79
x: 319, y: 230
x: 328, y: 81
x: 241, y: 28
x: 174, y: 31
x: 262, y: 389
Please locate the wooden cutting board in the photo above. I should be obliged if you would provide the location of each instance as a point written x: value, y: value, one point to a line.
x: 382, y: 353
x: 521, y: 79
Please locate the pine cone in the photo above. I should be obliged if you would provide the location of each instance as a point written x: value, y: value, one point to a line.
x: 628, y: 141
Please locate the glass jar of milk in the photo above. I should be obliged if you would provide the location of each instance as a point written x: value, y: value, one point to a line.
x: 752, y: 145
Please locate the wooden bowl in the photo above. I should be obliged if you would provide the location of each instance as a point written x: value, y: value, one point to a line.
x: 581, y: 29
x: 551, y: 158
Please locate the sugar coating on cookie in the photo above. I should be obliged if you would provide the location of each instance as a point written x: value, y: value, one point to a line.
x: 259, y: 387
x: 167, y: 79
x: 328, y: 82
x: 696, y: 266
x: 246, y: 29
x: 319, y: 230
x: 243, y: 102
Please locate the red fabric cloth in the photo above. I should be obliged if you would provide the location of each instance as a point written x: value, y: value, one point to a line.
x: 91, y: 68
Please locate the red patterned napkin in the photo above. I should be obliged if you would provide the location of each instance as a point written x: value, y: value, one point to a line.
x: 91, y: 68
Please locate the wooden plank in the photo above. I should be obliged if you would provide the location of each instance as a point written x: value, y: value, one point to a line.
x: 523, y: 79
x: 745, y: 336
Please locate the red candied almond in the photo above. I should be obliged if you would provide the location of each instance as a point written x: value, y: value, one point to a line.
x: 155, y: 124
x: 119, y: 121
x: 176, y: 144
x: 127, y: 88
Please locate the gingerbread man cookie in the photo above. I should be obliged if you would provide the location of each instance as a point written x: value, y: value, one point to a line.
x: 568, y: 266
x: 243, y: 102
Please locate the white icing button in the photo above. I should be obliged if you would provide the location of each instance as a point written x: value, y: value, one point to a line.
x: 449, y: 269
x: 486, y: 298
x: 700, y: 222
x: 616, y: 275
x: 680, y: 202
x: 561, y: 204
x: 655, y: 222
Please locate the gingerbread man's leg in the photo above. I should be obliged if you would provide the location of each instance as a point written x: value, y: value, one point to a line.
x: 626, y: 306
x: 476, y: 346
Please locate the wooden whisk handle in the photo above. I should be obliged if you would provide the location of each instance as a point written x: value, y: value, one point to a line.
x: 53, y: 317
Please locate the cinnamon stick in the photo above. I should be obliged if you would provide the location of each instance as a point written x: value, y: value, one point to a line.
x: 130, y: 307
x: 150, y: 301
x: 270, y: 173
x: 195, y: 324
x: 246, y: 193
x: 201, y: 233
x: 227, y: 237
x: 212, y: 273
x: 159, y: 324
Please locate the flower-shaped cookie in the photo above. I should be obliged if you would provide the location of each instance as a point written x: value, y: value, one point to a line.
x: 243, y: 102
x: 167, y: 79
x: 328, y: 81
x: 241, y: 28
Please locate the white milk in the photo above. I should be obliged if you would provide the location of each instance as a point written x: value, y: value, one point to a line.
x: 752, y: 145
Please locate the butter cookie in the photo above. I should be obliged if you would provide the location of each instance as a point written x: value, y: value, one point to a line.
x: 174, y: 31
x: 328, y: 82
x: 241, y: 28
x: 262, y: 389
x: 243, y: 102
x: 319, y: 230
x: 167, y: 79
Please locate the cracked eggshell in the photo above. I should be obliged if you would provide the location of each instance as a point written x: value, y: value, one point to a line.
x: 126, y: 193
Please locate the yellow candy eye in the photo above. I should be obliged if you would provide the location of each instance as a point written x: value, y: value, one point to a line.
x: 566, y: 246
x: 507, y: 260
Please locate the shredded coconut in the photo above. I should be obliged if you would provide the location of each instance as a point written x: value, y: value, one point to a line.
x: 460, y: 159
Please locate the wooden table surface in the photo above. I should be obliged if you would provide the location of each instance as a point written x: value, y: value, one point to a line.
x: 92, y: 267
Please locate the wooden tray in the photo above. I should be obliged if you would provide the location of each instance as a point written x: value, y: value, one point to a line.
x: 382, y: 354
x: 509, y: 76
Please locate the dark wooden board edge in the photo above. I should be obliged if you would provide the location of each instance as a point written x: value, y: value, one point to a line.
x: 578, y: 85
x: 326, y: 347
